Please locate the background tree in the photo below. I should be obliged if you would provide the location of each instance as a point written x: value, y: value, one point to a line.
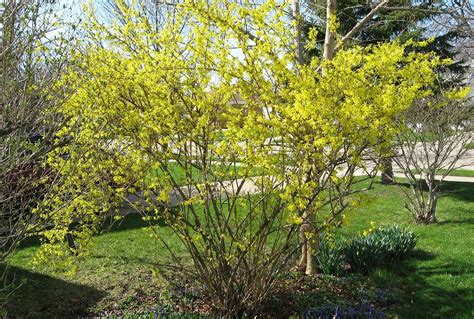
x: 393, y: 19
x: 32, y: 58
x: 431, y: 146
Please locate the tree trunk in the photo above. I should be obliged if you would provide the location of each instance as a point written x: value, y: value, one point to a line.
x: 304, y: 252
x: 425, y: 212
x: 309, y: 239
x: 312, y: 250
x: 330, y: 37
x: 430, y: 216
x: 295, y: 6
x: 387, y: 170
x: 308, y: 233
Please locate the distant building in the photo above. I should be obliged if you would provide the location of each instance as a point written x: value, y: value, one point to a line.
x: 237, y: 101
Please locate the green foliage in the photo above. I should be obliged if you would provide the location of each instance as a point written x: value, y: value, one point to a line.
x: 366, y: 252
x: 330, y: 256
x: 397, y: 23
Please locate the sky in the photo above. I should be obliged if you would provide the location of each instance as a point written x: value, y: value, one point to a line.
x: 71, y: 11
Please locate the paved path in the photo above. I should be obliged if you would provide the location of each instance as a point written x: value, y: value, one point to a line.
x: 399, y: 174
x: 238, y: 186
x: 244, y: 187
x: 249, y: 186
x: 463, y: 179
x: 465, y: 162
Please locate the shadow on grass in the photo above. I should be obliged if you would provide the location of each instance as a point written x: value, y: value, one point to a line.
x: 131, y: 221
x: 457, y: 221
x: 418, y: 294
x: 463, y: 191
x: 42, y: 296
x: 459, y: 190
x: 128, y: 222
x: 422, y: 255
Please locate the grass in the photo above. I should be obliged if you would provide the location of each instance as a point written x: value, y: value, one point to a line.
x: 118, y: 274
x: 459, y: 172
x: 470, y: 146
x: 123, y: 272
x: 455, y: 172
x: 439, y: 283
x: 462, y: 172
x: 222, y: 172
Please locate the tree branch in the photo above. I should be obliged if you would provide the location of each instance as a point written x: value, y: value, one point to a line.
x: 360, y: 24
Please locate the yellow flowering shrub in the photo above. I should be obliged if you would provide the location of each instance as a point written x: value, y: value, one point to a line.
x: 151, y: 113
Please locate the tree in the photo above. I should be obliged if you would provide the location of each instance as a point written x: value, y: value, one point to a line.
x: 31, y: 60
x: 309, y: 233
x: 151, y: 120
x: 437, y: 132
x: 364, y: 23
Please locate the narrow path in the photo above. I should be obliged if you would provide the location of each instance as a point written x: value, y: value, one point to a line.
x: 242, y: 187
x: 448, y: 178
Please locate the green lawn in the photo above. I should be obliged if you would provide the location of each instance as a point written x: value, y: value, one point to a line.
x: 439, y: 283
x: 462, y: 172
x: 122, y: 271
x: 456, y: 172
x: 221, y: 172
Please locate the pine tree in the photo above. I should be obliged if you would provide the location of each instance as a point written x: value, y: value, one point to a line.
x: 400, y: 19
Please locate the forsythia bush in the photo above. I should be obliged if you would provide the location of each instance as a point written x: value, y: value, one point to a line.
x: 145, y: 98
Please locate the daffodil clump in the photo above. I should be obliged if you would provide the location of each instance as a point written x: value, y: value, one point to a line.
x: 378, y: 246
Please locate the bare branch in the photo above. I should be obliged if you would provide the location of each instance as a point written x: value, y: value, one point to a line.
x: 361, y: 24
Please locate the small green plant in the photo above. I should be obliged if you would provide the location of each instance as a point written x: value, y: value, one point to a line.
x: 379, y: 246
x: 400, y: 242
x: 330, y: 257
